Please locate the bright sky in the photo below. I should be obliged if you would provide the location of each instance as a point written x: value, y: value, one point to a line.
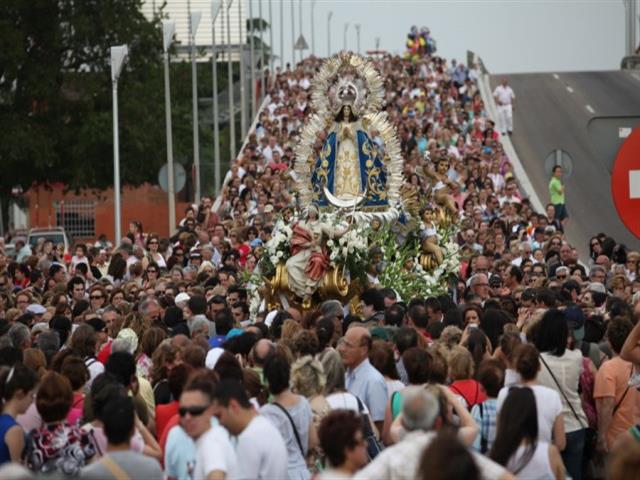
x: 510, y: 35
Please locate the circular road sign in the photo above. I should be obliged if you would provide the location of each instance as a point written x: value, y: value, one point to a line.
x: 558, y: 157
x: 625, y: 182
x: 179, y: 177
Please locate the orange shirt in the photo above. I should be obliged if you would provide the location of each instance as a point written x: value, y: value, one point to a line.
x: 611, y: 381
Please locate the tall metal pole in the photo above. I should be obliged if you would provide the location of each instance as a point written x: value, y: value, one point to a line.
x: 232, y: 113
x: 243, y: 93
x: 282, y: 34
x: 329, y: 33
x: 262, y: 83
x: 270, y: 40
x: 215, y: 9
x: 168, y: 29
x: 313, y: 36
x: 358, y: 36
x: 293, y: 36
x: 346, y: 29
x: 194, y: 21
x: 252, y: 57
x: 118, y: 54
x: 300, y: 22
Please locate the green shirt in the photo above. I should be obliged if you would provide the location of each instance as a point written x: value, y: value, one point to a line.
x: 555, y: 191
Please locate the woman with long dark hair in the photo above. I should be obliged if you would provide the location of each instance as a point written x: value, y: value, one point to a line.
x: 517, y: 446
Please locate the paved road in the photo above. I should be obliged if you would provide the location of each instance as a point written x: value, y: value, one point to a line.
x: 553, y: 111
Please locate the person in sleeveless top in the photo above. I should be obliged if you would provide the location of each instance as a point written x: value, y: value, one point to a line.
x: 517, y: 446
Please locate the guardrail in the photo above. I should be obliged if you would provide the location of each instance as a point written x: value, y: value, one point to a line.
x: 492, y: 111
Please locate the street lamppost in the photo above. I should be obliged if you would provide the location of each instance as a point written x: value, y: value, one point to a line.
x: 313, y: 36
x: 215, y: 9
x: 168, y: 29
x: 357, y: 25
x: 232, y: 113
x: 252, y: 59
x: 243, y: 93
x: 194, y: 22
x: 300, y: 22
x: 262, y: 93
x: 346, y: 29
x: 293, y: 36
x: 282, y: 35
x: 118, y: 55
x: 329, y: 33
x: 270, y: 40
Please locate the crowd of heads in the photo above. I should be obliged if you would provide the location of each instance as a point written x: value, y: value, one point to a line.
x: 104, y: 331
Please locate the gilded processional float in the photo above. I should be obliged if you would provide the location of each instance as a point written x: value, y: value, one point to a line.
x: 357, y: 221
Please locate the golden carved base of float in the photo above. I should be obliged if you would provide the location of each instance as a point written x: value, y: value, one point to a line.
x: 333, y: 286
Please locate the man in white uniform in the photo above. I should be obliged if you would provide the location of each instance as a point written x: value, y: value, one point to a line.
x: 504, y: 97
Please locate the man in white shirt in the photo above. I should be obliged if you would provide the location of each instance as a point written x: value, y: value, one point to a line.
x: 258, y: 443
x: 505, y: 97
x: 215, y: 456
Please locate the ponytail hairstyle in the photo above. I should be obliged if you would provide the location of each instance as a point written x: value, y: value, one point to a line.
x: 15, y: 379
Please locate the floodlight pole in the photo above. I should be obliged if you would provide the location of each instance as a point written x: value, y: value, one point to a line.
x: 118, y: 55
x: 357, y: 25
x: 313, y: 36
x: 329, y: 33
x: 346, y: 29
x: 243, y: 92
x: 262, y: 82
x: 232, y: 113
x: 252, y: 59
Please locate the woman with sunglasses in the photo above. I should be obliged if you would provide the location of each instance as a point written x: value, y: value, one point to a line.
x: 153, y: 254
x: 151, y: 275
x: 97, y: 297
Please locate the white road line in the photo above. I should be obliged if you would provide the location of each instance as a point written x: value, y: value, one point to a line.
x: 555, y: 75
x: 590, y: 109
x: 635, y: 75
x: 569, y: 89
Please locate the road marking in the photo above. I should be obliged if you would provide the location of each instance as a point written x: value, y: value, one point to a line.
x: 635, y: 75
x: 555, y: 75
x: 569, y: 89
x: 590, y: 109
x: 634, y: 184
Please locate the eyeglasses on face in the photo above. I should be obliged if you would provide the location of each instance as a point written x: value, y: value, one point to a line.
x: 96, y: 297
x: 194, y: 411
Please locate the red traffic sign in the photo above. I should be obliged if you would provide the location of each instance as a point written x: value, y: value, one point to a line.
x: 625, y: 182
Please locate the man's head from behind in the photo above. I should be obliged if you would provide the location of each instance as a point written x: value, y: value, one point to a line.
x: 420, y: 409
x: 119, y: 420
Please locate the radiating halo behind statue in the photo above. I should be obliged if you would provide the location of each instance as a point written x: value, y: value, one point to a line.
x: 347, y: 96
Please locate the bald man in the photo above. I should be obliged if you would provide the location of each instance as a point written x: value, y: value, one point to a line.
x: 362, y: 379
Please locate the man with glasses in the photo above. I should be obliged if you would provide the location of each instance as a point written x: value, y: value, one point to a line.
x: 215, y: 457
x: 362, y: 379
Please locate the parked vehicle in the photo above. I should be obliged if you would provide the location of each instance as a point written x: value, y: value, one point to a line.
x: 56, y: 234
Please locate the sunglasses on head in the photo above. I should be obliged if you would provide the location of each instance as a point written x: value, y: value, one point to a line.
x: 194, y: 411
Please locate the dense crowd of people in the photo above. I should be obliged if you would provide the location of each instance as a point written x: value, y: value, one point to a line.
x: 143, y: 360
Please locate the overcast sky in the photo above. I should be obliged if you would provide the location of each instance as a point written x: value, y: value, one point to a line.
x: 511, y: 35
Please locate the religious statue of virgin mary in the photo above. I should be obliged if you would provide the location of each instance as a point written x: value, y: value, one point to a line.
x: 350, y: 171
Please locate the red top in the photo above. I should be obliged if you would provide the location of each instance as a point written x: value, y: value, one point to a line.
x: 470, y: 390
x: 105, y: 352
x: 164, y: 413
x: 175, y: 420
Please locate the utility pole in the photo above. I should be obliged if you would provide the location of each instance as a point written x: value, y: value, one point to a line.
x: 270, y: 41
x: 293, y: 36
x: 262, y: 86
x: 300, y: 22
x: 313, y: 36
x: 282, y: 35
x: 118, y: 55
x: 357, y: 25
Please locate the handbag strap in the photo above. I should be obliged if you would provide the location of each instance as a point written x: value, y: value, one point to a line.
x: 615, y: 409
x: 114, y: 469
x: 564, y: 395
x: 293, y: 425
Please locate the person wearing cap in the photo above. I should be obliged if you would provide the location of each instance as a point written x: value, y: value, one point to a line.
x: 615, y: 398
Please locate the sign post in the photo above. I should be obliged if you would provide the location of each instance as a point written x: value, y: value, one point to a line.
x: 625, y: 182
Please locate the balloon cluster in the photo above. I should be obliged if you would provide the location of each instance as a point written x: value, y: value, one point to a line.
x: 420, y: 43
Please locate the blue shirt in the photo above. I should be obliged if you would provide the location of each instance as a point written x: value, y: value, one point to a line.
x: 486, y: 422
x: 6, y: 423
x: 367, y: 383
